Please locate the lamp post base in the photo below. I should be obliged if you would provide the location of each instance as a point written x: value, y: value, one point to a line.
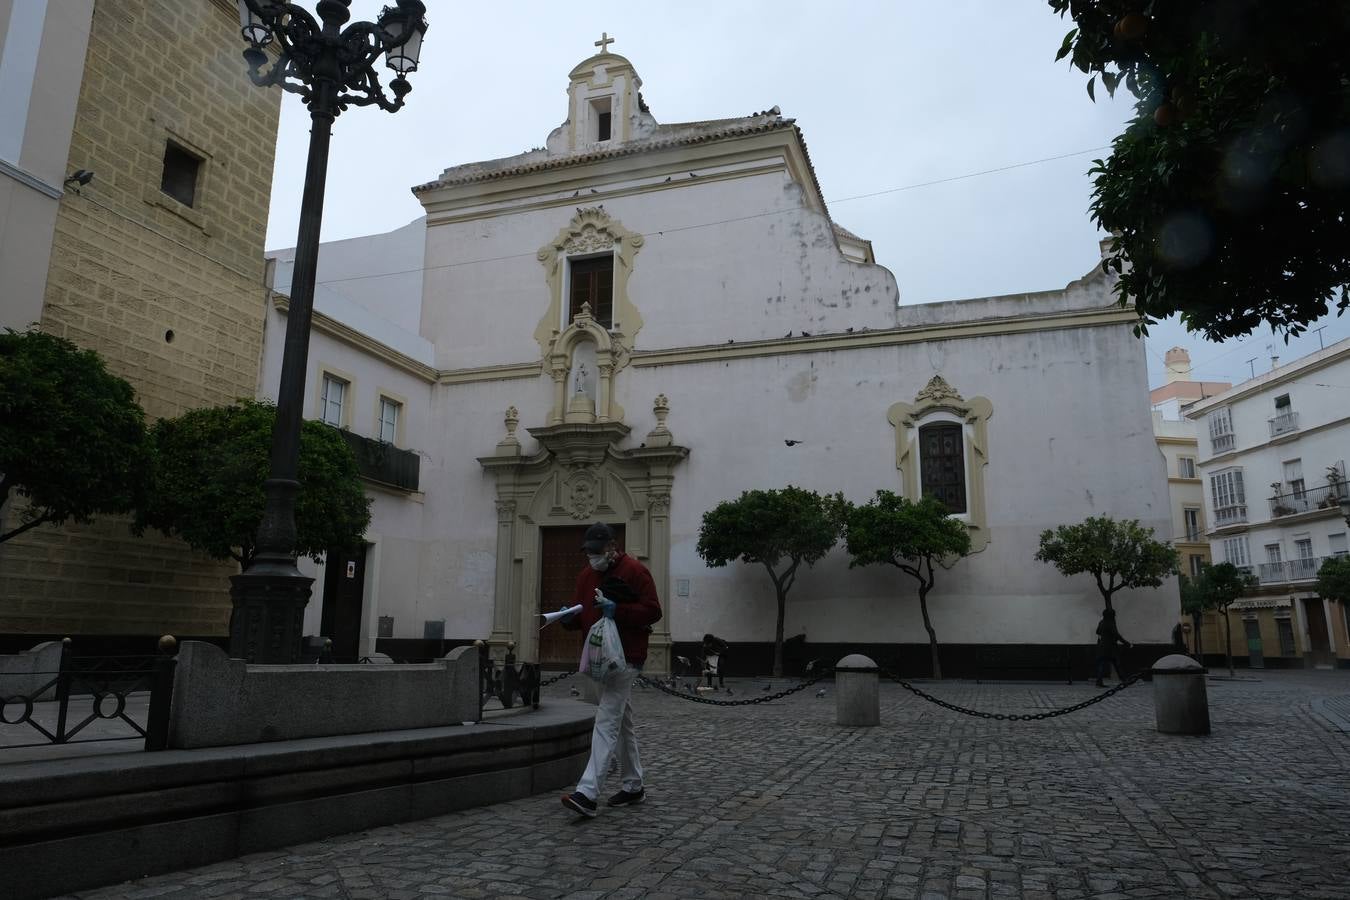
x: 267, y: 620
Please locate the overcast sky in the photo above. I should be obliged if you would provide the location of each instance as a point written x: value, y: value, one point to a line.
x: 888, y: 95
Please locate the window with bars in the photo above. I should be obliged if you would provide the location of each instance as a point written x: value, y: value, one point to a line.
x: 1235, y: 552
x: 332, y: 399
x: 592, y: 281
x: 942, y: 465
x: 1221, y: 436
x: 390, y: 410
x: 1230, y: 500
x: 1191, y: 517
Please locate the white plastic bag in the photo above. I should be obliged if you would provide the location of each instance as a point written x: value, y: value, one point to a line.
x: 602, y: 653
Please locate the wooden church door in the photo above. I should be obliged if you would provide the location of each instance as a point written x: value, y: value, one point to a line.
x: 561, y: 560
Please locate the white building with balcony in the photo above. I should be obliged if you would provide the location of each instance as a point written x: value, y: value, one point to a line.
x: 1273, y: 453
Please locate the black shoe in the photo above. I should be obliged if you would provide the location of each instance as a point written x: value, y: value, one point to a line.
x: 625, y: 798
x: 580, y: 804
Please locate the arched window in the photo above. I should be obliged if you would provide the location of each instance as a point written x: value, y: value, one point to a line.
x: 942, y: 464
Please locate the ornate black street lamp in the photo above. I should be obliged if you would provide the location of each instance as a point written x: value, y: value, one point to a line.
x: 332, y: 68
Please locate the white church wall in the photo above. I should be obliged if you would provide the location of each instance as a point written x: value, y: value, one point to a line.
x: 694, y: 281
x: 379, y: 272
x: 1088, y: 452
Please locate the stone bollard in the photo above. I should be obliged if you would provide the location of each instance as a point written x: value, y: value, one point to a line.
x: 1179, y: 698
x: 857, y: 695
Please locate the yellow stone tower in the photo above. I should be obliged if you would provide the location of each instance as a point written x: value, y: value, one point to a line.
x: 157, y: 264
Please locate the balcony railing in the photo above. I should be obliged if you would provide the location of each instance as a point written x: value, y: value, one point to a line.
x: 1221, y: 443
x: 1290, y: 570
x: 383, y: 462
x: 1283, y: 424
x: 1306, y: 500
x: 1230, y: 515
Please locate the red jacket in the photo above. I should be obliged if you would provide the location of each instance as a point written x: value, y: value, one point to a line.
x: 634, y: 617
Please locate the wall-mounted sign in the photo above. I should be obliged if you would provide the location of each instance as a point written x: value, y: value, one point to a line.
x: 351, y: 568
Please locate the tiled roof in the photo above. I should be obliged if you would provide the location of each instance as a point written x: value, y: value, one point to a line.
x: 672, y: 135
x: 846, y: 234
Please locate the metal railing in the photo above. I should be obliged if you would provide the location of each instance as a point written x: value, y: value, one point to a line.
x: 1306, y: 500
x: 1230, y: 515
x: 1220, y: 443
x: 1289, y: 570
x: 88, y: 689
x: 1283, y: 424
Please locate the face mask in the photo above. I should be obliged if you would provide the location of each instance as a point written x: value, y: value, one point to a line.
x: 599, y: 561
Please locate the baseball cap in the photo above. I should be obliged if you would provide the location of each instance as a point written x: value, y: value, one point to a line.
x: 597, y: 537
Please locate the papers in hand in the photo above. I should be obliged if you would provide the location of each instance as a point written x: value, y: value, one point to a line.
x: 552, y: 617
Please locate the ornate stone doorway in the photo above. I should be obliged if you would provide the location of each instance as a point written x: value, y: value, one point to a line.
x: 578, y: 476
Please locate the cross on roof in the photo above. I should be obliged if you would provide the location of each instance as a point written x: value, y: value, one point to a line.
x: 604, y: 42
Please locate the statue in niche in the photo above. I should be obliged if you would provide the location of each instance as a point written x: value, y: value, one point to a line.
x: 585, y: 384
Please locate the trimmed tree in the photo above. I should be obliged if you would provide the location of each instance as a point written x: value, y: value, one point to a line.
x: 1228, y: 192
x: 1333, y: 579
x: 778, y: 529
x: 1117, y: 555
x: 1219, y: 586
x: 72, y: 437
x: 912, y: 537
x: 206, y: 483
x: 1193, y: 604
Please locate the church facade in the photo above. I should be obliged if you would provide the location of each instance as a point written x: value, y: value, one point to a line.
x: 638, y: 321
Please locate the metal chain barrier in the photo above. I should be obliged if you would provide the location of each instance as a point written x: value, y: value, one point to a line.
x: 749, y: 701
x: 1014, y: 717
x: 555, y: 679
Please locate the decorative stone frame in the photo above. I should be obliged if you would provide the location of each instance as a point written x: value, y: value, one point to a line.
x: 940, y: 397
x: 610, y: 357
x: 579, y: 475
x: 589, y: 232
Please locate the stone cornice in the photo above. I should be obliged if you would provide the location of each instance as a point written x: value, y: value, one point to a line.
x: 890, y: 337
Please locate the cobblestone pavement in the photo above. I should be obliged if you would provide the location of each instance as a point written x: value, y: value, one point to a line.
x: 776, y: 800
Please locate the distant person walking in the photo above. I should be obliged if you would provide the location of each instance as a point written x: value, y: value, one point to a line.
x: 1108, y: 636
x: 714, y: 651
x: 618, y: 587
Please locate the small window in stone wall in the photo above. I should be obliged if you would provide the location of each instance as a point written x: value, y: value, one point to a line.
x: 181, y: 169
x: 942, y: 465
x: 433, y: 630
x: 386, y: 627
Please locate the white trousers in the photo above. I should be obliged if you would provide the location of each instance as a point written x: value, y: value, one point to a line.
x: 613, y: 732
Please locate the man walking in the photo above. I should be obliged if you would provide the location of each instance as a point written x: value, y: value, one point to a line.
x: 618, y: 587
x: 1107, y: 638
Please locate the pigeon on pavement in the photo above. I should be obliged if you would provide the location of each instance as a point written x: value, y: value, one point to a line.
x: 820, y: 693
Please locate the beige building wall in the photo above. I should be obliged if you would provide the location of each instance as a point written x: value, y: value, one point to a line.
x: 171, y: 295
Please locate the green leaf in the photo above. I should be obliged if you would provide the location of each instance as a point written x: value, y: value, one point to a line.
x: 1090, y: 85
x: 1065, y: 47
